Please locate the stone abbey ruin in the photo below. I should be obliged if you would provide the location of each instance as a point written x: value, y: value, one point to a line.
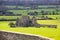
x: 26, y: 21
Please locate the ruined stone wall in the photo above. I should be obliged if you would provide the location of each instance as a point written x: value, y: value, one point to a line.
x: 4, y: 35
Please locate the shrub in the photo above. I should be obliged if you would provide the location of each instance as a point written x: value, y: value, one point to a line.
x: 12, y: 24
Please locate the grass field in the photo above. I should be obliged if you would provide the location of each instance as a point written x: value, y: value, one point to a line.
x: 48, y: 32
x: 14, y: 17
x: 26, y: 11
x: 51, y: 16
x: 9, y: 17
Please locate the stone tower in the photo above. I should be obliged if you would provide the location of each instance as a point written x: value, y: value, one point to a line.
x: 25, y: 21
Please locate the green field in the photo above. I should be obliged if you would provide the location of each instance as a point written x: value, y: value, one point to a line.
x: 48, y: 32
x: 9, y: 17
x: 27, y: 11
x: 14, y: 17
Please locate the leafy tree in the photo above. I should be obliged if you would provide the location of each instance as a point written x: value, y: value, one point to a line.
x: 42, y: 12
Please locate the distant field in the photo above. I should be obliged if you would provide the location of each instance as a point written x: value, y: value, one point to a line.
x: 45, y: 6
x: 9, y: 17
x: 26, y: 11
x: 52, y: 16
x: 48, y: 32
x: 14, y: 17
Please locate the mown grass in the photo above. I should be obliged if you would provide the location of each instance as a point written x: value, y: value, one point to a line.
x: 48, y: 32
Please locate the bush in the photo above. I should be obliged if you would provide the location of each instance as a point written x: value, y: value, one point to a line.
x: 11, y: 24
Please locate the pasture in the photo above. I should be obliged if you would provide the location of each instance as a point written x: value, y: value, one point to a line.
x: 48, y: 32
